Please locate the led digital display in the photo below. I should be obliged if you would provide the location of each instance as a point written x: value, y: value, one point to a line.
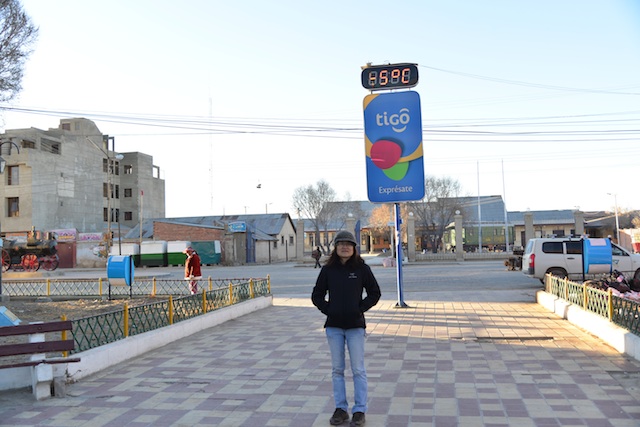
x: 392, y: 76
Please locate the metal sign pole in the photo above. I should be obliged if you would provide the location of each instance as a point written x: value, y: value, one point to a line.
x: 400, y: 303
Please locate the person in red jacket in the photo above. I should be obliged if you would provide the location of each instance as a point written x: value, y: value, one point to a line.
x: 192, y: 271
x: 338, y: 294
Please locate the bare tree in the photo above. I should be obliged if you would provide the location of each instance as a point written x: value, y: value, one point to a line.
x: 437, y: 209
x: 17, y: 37
x: 312, y: 203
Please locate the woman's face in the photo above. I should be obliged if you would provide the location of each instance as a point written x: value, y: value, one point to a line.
x: 345, y: 250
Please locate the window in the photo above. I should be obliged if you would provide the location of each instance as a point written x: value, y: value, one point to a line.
x: 128, y: 192
x: 117, y: 191
x: 28, y: 144
x: 114, y: 214
x: 105, y: 193
x: 128, y: 169
x: 574, y: 248
x: 558, y: 233
x: 50, y: 146
x: 13, y: 206
x: 552, y: 247
x: 290, y: 240
x: 618, y: 251
x: 105, y: 165
x: 128, y: 216
x: 66, y: 126
x: 282, y: 240
x: 275, y: 244
x: 13, y: 175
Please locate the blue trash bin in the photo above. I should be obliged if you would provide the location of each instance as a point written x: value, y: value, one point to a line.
x: 597, y: 256
x: 120, y: 270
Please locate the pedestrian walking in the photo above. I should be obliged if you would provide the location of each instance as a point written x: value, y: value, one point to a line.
x: 343, y: 278
x: 317, y: 254
x: 192, y: 271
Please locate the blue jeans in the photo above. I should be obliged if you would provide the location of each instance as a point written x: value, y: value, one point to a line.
x: 354, y: 340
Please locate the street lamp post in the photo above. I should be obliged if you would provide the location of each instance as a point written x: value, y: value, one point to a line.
x: 615, y: 202
x: 118, y: 213
x: 110, y: 167
x: 3, y: 164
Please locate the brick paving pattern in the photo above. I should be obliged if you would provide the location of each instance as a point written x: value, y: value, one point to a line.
x: 432, y: 364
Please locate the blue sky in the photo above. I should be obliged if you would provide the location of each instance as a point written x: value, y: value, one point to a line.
x: 228, y: 95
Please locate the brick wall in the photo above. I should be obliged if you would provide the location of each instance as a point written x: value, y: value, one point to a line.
x: 166, y: 231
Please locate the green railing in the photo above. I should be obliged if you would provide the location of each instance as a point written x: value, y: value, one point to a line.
x: 620, y: 311
x: 94, y: 331
x: 176, y: 304
x: 100, y: 287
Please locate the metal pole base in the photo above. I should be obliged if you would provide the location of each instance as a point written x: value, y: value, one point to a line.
x: 401, y: 304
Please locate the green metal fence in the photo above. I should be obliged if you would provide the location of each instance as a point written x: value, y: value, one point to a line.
x: 100, y: 287
x: 94, y: 331
x: 174, y: 306
x: 620, y: 311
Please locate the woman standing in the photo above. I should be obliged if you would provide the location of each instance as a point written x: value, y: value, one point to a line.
x: 343, y: 278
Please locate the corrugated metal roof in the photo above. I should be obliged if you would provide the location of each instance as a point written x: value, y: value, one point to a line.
x: 549, y: 217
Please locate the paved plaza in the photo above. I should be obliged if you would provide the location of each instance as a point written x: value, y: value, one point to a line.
x: 435, y: 363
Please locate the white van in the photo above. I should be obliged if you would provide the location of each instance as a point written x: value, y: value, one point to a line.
x: 562, y: 257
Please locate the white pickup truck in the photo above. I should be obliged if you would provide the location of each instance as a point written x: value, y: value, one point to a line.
x: 562, y: 257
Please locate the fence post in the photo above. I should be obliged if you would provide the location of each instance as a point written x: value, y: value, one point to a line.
x: 547, y: 285
x: 48, y: 287
x: 153, y: 287
x: 126, y: 319
x: 171, y: 309
x: 210, y: 284
x: 610, y: 303
x: 585, y: 296
x: 230, y: 293
x: 268, y: 284
x: 251, y: 294
x: 566, y: 289
x: 204, y: 302
x: 63, y: 335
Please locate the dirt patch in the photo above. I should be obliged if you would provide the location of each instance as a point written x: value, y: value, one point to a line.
x: 46, y: 310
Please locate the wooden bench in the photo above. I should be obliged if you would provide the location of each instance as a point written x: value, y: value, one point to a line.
x: 37, y: 347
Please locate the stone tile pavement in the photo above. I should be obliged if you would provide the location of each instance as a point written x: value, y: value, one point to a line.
x: 431, y: 364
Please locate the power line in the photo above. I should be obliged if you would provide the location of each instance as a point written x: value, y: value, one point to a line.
x: 528, y: 84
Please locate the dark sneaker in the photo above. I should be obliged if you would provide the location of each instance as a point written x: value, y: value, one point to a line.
x: 339, y: 417
x: 357, y: 420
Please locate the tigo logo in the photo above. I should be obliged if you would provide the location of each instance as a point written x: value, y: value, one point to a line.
x: 394, y: 120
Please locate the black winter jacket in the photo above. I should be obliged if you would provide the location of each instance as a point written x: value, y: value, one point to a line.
x: 344, y: 284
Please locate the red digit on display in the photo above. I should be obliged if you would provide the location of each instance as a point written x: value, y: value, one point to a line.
x: 406, y: 75
x: 384, y: 77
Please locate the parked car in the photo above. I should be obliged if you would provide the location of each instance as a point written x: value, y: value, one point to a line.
x: 562, y: 257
